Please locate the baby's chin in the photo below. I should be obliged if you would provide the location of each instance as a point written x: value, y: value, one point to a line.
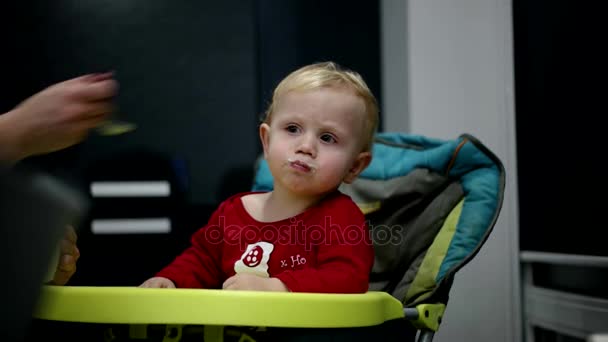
x: 309, y: 190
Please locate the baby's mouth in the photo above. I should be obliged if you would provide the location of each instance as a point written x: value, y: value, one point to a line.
x: 301, y: 165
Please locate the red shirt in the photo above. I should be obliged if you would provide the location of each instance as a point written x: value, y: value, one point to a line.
x: 327, y: 248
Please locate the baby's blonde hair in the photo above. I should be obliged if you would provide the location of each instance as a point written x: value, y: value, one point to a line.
x: 324, y: 75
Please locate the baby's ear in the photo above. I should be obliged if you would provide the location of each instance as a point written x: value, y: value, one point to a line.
x: 362, y: 161
x: 265, y: 136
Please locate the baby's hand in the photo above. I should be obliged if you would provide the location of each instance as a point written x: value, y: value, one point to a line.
x: 244, y: 281
x: 68, y: 256
x: 158, y: 282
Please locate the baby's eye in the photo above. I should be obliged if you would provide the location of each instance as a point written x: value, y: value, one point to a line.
x: 292, y: 129
x: 328, y: 138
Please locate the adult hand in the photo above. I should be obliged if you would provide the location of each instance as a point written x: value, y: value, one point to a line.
x: 58, y: 116
x: 245, y: 281
x: 68, y: 256
x: 158, y: 282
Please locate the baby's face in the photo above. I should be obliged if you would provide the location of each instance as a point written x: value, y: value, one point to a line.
x: 314, y: 139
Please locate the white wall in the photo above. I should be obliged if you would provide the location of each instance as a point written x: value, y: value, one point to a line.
x: 459, y: 69
x: 394, y: 65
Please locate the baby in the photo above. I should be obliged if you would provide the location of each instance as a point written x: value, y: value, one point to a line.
x: 304, y: 235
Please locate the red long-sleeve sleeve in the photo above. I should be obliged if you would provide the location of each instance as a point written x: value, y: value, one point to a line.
x: 199, y: 266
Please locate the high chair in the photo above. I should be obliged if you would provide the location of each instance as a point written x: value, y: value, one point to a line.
x: 430, y: 204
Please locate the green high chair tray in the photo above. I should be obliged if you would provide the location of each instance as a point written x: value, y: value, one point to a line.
x: 216, y: 315
x: 133, y: 305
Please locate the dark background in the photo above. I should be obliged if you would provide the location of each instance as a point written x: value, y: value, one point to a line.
x: 560, y: 86
x: 560, y: 83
